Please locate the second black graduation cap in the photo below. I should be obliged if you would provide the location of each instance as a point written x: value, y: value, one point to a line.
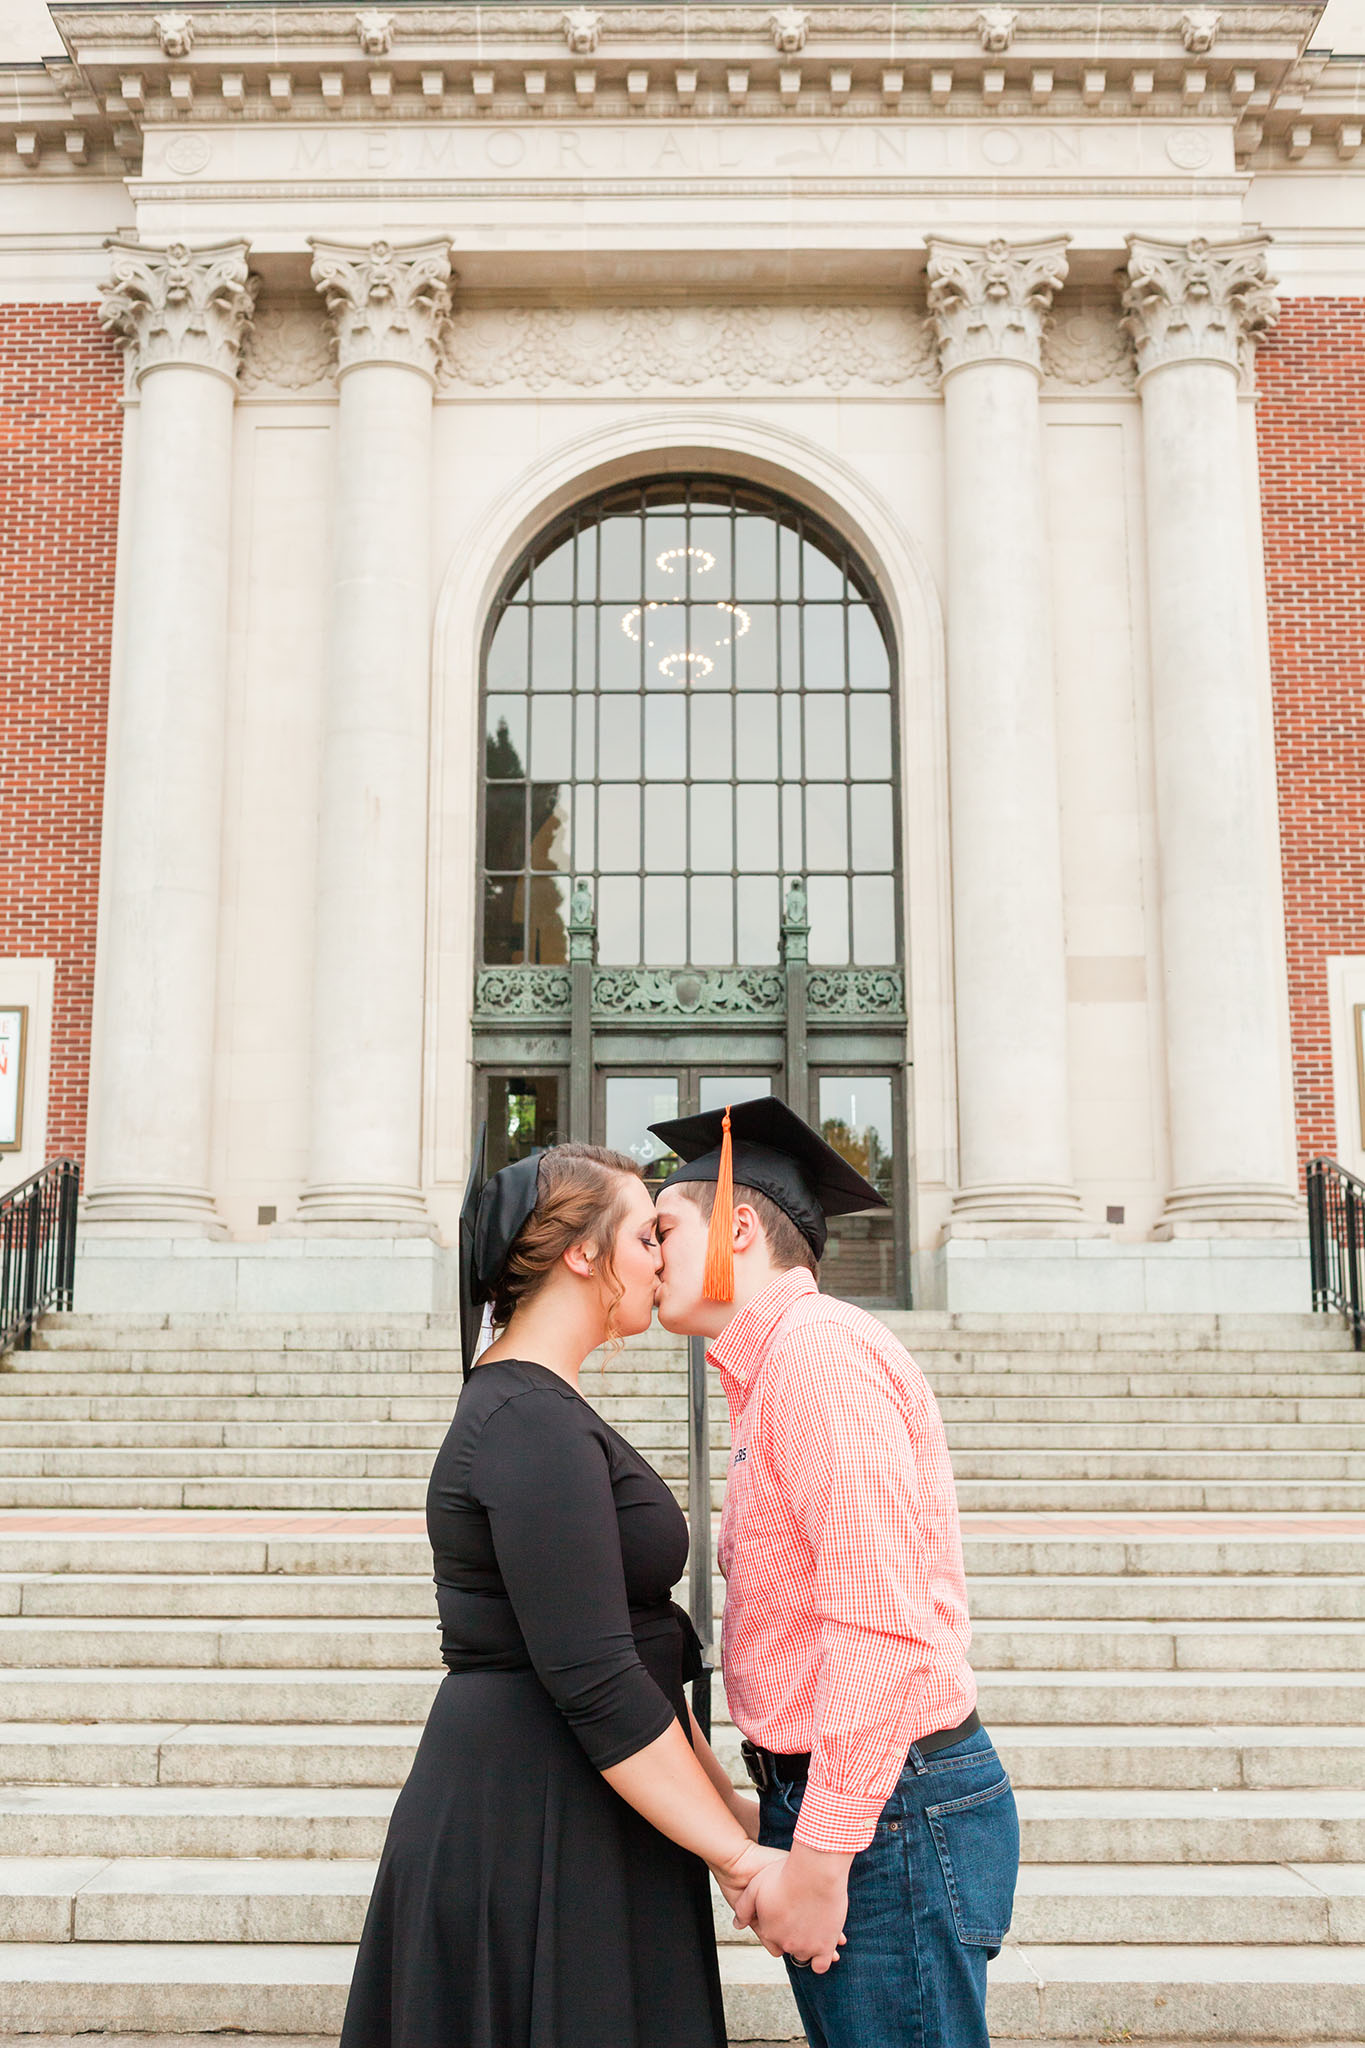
x: 774, y: 1150
x: 491, y: 1215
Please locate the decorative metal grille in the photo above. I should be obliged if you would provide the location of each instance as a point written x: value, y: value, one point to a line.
x: 688, y: 700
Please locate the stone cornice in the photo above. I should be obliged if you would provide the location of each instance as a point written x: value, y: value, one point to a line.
x: 388, y: 303
x: 989, y: 300
x: 1246, y: 65
x: 1198, y: 301
x: 179, y: 304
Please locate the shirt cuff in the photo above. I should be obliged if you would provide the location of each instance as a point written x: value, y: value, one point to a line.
x: 841, y: 1822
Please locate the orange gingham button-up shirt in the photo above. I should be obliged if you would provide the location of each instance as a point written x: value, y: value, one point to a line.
x: 846, y: 1630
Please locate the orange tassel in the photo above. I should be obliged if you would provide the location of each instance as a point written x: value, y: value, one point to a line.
x: 718, y: 1283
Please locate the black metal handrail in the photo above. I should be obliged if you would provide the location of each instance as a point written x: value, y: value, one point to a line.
x: 1336, y: 1242
x: 37, y: 1249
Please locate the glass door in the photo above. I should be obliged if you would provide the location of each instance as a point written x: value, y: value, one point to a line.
x: 523, y: 1110
x: 857, y: 1113
x: 629, y: 1102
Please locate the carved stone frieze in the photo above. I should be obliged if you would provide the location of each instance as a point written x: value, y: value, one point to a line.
x: 289, y: 347
x: 1198, y: 301
x: 855, y: 992
x: 989, y: 300
x: 459, y: 23
x: 523, y: 992
x: 179, y: 305
x: 728, y: 347
x: 388, y: 303
x: 669, y: 992
x: 1084, y: 345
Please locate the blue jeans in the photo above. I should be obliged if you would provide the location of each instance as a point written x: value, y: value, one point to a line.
x: 929, y: 1901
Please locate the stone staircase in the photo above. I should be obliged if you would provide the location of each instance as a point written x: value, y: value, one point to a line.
x: 217, y: 1645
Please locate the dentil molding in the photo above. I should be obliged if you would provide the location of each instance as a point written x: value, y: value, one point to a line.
x: 1198, y: 301
x: 646, y: 348
x: 388, y: 303
x: 988, y: 301
x: 179, y: 305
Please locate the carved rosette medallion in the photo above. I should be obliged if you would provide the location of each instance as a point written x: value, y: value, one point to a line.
x: 1198, y: 301
x: 1084, y: 345
x: 388, y: 303
x: 288, y: 348
x: 179, y: 305
x: 988, y: 301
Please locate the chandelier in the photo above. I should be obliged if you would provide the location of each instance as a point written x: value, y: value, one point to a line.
x: 652, y: 619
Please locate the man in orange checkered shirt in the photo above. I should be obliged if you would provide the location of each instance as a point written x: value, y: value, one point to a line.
x: 845, y: 1634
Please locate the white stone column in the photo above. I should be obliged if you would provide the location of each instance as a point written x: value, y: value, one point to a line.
x: 389, y: 306
x: 1194, y: 310
x: 182, y: 315
x: 988, y: 303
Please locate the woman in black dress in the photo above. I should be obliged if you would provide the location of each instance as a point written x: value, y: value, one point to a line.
x: 544, y: 1880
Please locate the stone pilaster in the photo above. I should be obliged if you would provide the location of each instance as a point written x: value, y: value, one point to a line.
x: 988, y: 302
x: 1195, y: 311
x: 388, y: 306
x: 182, y: 314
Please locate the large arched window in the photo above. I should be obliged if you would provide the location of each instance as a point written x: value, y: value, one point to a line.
x: 688, y: 703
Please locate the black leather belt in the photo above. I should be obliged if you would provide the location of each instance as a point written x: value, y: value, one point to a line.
x: 766, y: 1769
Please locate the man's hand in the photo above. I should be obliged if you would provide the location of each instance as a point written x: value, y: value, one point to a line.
x: 798, y: 1908
x: 738, y: 1877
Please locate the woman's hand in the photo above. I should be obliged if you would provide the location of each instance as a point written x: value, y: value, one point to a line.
x: 736, y: 1877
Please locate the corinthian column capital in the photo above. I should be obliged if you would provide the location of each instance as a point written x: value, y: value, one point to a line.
x: 1198, y: 301
x: 388, y: 303
x: 988, y: 300
x: 178, y: 304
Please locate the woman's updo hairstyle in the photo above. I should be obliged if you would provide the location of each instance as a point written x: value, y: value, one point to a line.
x: 580, y: 1199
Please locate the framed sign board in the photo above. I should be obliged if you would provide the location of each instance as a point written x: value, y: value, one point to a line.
x: 13, y: 1045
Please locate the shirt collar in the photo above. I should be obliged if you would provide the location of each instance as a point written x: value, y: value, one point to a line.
x: 747, y: 1338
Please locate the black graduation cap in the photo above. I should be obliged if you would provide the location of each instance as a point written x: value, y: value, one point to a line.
x: 491, y: 1215
x: 765, y: 1145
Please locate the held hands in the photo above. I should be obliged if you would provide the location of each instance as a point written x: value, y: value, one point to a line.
x: 798, y: 1906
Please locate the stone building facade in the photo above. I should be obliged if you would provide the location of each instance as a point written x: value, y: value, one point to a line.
x: 571, y: 562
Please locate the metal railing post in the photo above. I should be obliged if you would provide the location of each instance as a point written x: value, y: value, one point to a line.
x: 37, y: 1250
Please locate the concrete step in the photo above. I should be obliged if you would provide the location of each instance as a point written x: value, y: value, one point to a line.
x: 239, y: 1596
x: 1279, y: 1549
x: 975, y: 1496
x: 140, y: 1409
x: 1280, y: 1825
x: 326, y: 1753
x: 368, y: 1642
x: 652, y: 1434
x: 1063, y: 1993
x: 936, y: 1329
x: 1020, y: 1698
x: 203, y: 1899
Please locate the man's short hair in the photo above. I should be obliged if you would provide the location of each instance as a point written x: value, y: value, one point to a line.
x: 787, y: 1247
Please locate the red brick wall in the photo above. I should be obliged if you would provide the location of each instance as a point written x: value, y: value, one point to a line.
x: 1311, y: 427
x: 60, y: 430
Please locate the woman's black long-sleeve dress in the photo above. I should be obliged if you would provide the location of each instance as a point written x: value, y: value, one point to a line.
x: 520, y: 1902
